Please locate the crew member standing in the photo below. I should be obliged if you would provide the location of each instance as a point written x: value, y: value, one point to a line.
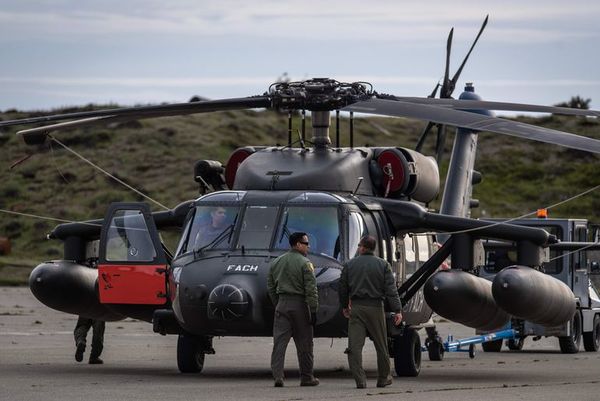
x: 81, y: 329
x: 293, y: 290
x: 366, y: 282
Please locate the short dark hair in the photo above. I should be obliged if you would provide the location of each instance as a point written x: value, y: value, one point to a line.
x: 369, y: 242
x: 296, y: 237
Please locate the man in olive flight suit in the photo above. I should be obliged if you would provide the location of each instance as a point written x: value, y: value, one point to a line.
x: 366, y: 282
x: 293, y: 289
x: 81, y: 329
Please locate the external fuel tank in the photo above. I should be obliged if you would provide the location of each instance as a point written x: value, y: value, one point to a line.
x: 532, y: 295
x: 464, y: 298
x: 69, y: 287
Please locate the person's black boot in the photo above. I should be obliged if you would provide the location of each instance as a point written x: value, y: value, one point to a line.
x: 79, y: 352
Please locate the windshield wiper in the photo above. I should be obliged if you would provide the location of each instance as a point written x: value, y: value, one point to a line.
x: 285, y: 231
x: 225, y: 233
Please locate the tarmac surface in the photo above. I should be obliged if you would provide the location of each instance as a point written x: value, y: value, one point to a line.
x: 37, y: 363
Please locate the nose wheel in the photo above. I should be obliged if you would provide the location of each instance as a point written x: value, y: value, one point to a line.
x: 191, y: 351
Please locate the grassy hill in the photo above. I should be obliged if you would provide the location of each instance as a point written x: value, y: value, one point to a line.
x: 157, y: 157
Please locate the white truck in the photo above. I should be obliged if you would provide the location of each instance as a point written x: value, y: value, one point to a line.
x: 574, y: 261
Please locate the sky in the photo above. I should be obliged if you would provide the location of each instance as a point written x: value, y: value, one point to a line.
x: 67, y: 52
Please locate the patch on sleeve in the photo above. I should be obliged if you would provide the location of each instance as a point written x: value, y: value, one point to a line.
x: 310, y: 267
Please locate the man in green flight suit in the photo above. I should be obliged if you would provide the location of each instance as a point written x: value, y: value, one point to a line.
x: 293, y: 290
x: 366, y: 282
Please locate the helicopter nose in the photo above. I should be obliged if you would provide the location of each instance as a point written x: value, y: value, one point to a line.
x: 227, y: 302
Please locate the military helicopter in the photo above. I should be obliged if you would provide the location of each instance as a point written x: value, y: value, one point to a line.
x: 214, y: 284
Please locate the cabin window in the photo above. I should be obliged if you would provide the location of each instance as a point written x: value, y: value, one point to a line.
x: 410, y: 255
x: 423, y: 244
x: 321, y: 224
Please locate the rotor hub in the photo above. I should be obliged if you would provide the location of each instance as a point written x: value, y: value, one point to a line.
x: 318, y: 94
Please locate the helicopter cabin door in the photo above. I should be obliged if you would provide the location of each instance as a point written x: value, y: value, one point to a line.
x: 132, y: 266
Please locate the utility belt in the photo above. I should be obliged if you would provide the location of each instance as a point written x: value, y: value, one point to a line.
x: 291, y: 297
x: 367, y: 301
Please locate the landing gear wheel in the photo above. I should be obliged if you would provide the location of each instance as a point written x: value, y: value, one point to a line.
x: 570, y: 344
x: 407, y: 353
x: 591, y: 340
x: 435, y: 349
x: 516, y: 344
x: 190, y: 354
x: 492, y: 346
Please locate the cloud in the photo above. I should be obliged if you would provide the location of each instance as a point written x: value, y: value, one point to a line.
x: 300, y: 19
x: 166, y: 82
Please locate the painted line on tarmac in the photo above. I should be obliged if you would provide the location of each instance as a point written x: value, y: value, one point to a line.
x: 51, y: 333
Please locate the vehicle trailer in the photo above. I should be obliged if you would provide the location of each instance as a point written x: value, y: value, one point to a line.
x: 573, y: 260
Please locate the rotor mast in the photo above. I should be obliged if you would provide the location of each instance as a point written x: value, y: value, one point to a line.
x: 321, y: 120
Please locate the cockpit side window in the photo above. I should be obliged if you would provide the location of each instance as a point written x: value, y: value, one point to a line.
x: 128, y: 238
x: 182, y: 246
x: 320, y: 223
x: 357, y: 228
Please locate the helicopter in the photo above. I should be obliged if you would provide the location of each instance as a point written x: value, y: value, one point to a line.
x: 118, y: 266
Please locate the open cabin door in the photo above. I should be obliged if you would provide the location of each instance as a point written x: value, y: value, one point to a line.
x: 132, y: 267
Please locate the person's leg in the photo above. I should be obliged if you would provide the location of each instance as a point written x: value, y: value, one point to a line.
x: 302, y: 331
x: 378, y: 331
x: 282, y: 332
x: 80, y: 333
x: 356, y: 341
x: 97, y: 341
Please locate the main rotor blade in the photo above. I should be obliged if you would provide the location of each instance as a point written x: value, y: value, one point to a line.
x: 458, y: 104
x: 434, y: 91
x: 474, y: 121
x: 452, y: 83
x: 138, y: 112
x: 37, y: 136
x: 440, y: 143
x: 446, y: 83
x: 423, y: 136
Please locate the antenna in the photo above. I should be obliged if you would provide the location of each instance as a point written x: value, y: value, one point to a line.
x: 352, y: 130
x: 360, y: 180
x: 290, y: 128
x: 337, y: 128
x: 303, y: 126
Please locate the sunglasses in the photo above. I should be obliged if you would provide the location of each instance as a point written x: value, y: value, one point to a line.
x: 304, y: 243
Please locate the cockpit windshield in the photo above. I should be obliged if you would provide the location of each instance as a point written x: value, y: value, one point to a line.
x: 320, y: 223
x: 211, y: 227
x: 257, y: 227
x: 231, y: 224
